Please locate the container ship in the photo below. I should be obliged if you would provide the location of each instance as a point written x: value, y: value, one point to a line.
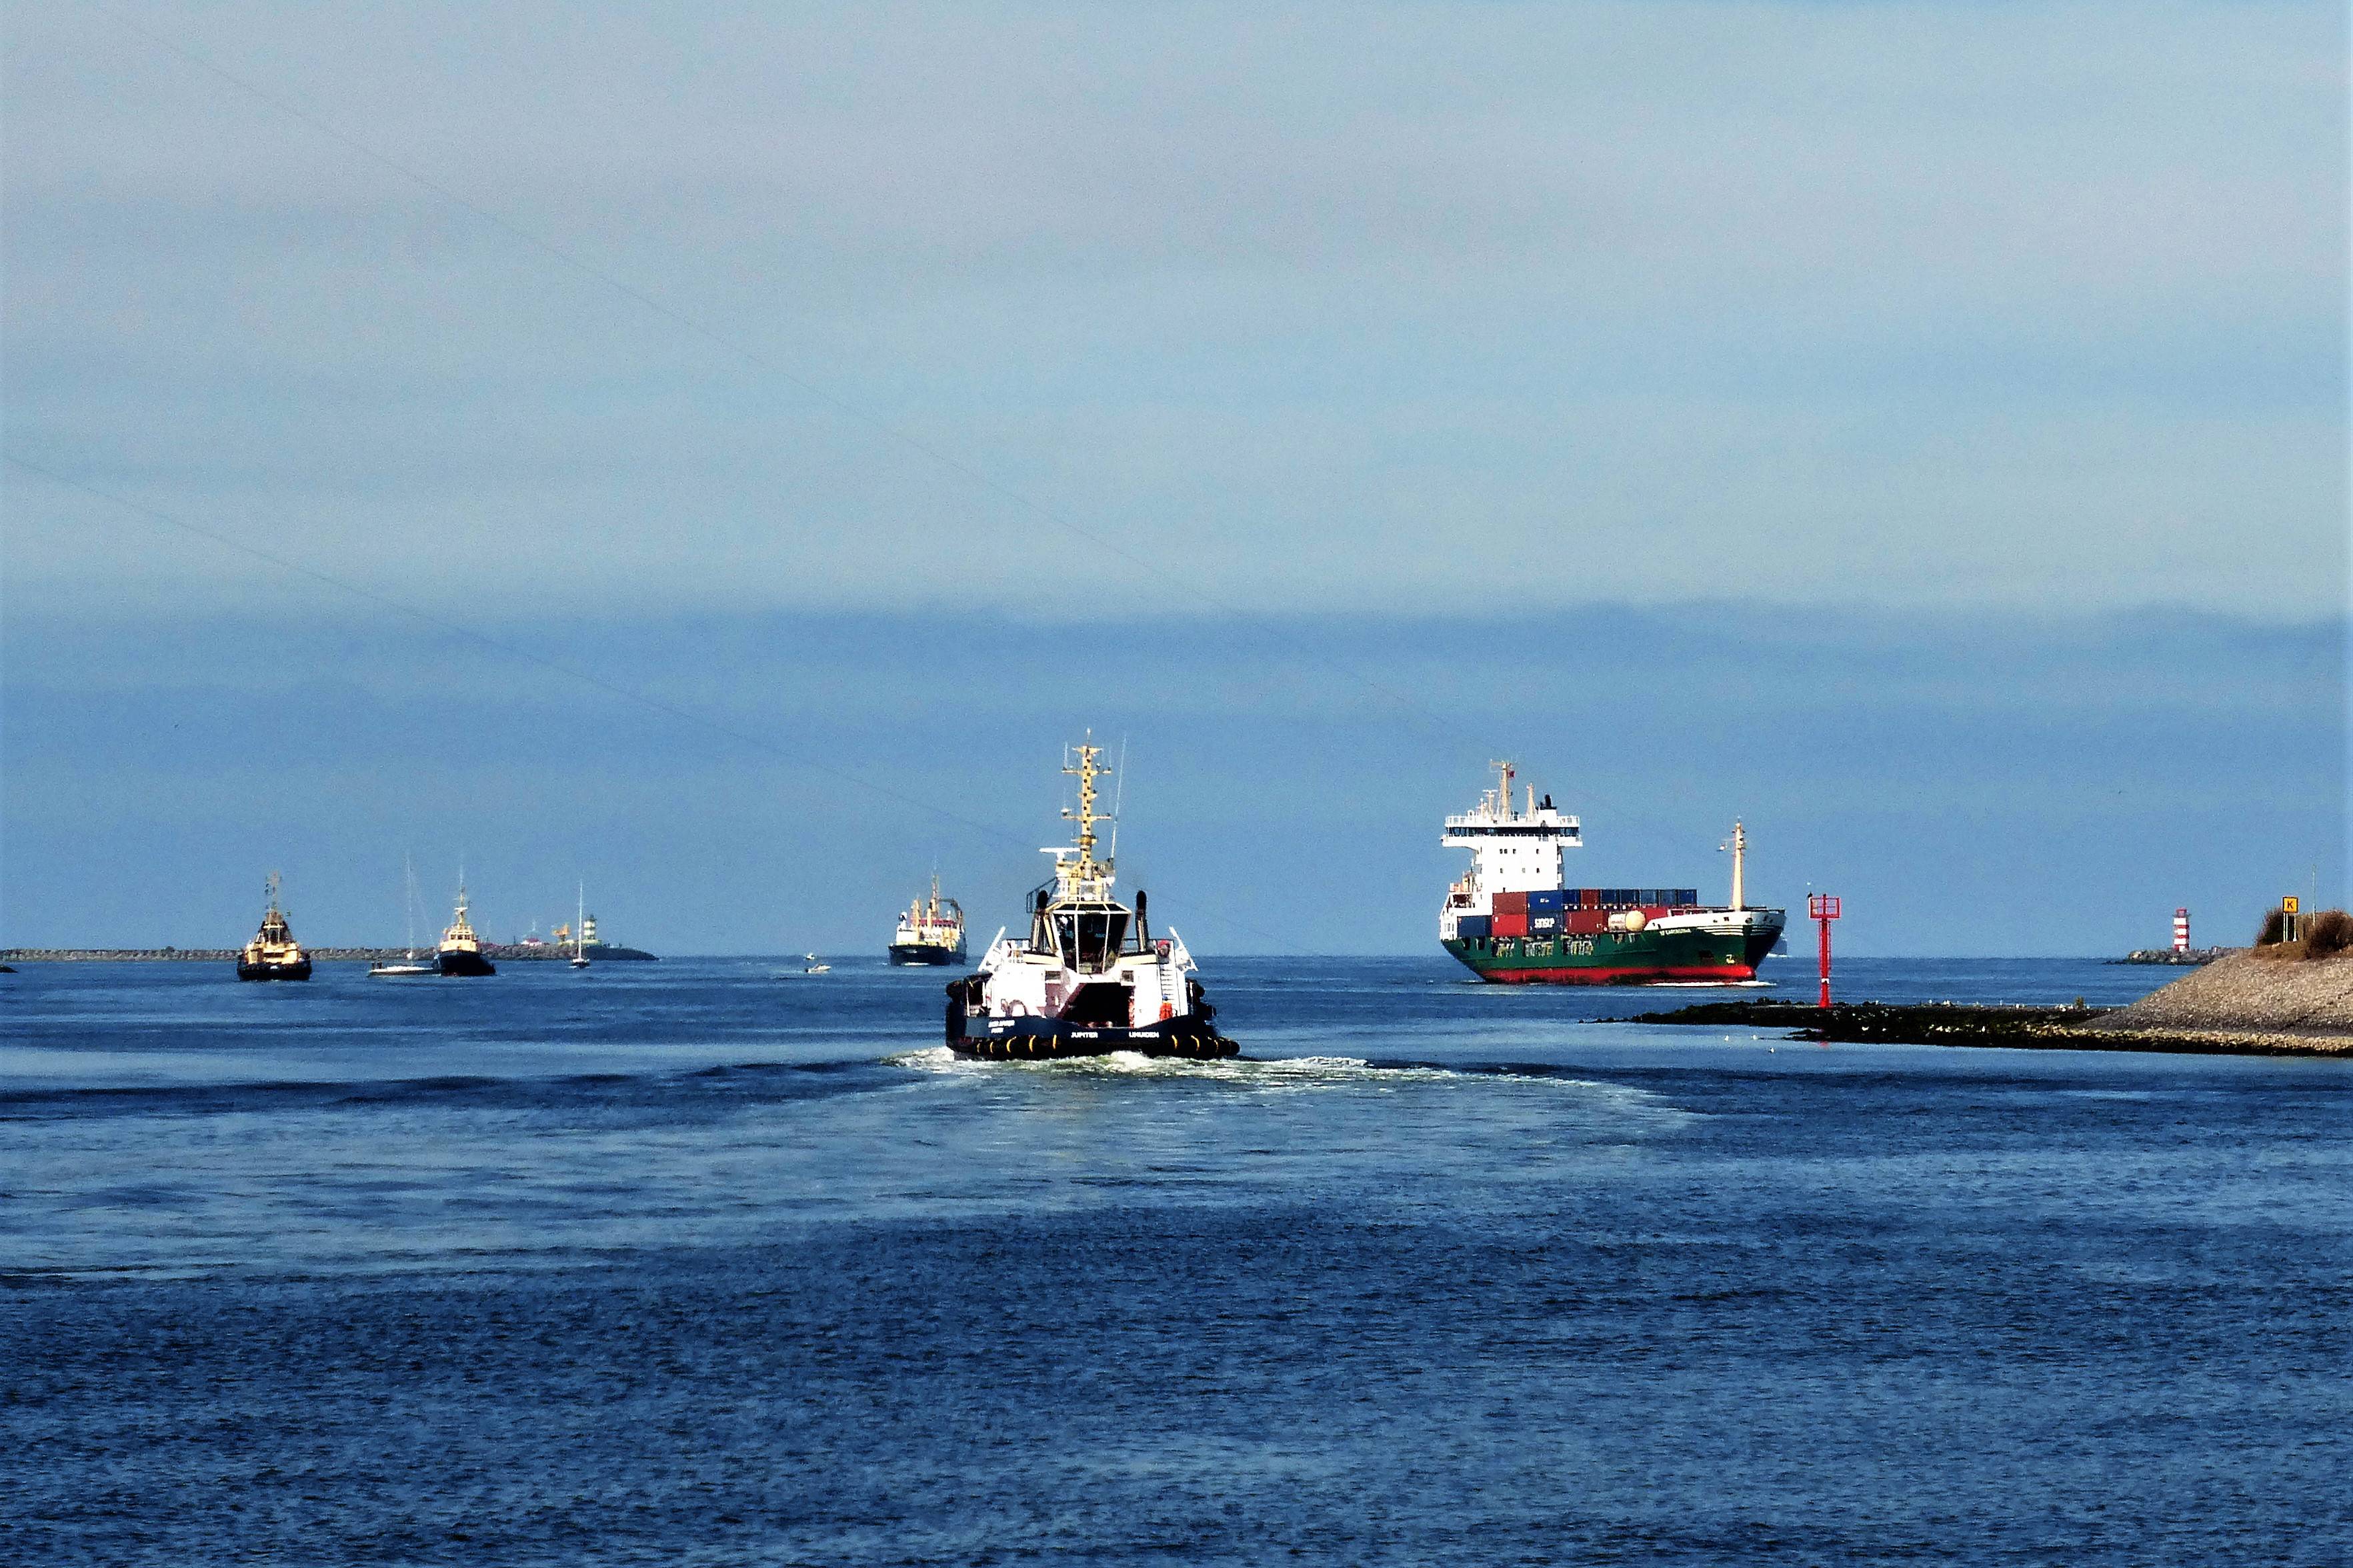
x: 930, y: 931
x: 273, y: 954
x: 1513, y: 919
x: 1089, y: 978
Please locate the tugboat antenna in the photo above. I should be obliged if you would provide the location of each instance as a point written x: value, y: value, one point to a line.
x: 1118, y: 796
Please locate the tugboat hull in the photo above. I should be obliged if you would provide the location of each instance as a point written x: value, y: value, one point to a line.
x: 464, y: 963
x: 298, y: 970
x: 1043, y: 1039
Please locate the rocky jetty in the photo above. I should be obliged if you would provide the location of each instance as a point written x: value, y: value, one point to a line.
x: 2282, y: 1029
x: 2277, y: 998
x: 2275, y: 991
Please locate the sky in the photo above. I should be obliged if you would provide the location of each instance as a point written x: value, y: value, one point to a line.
x: 620, y: 442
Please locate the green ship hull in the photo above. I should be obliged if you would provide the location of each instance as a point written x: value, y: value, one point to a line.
x: 1617, y: 957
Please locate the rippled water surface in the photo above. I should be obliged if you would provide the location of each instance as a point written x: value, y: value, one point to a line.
x: 717, y: 1262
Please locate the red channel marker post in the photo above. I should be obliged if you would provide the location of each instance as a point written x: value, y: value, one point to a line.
x: 1824, y: 907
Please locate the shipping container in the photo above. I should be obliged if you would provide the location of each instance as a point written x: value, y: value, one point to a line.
x: 1509, y: 904
x: 1514, y: 924
x: 1544, y: 924
x: 1550, y: 901
x: 1473, y: 928
x: 1584, y: 922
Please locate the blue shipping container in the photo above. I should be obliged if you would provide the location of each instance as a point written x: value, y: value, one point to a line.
x: 1541, y: 925
x: 1549, y: 902
x: 1474, y: 927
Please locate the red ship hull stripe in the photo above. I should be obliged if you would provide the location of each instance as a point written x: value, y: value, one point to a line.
x: 1604, y: 976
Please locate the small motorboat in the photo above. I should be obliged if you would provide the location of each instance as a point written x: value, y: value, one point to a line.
x: 811, y: 965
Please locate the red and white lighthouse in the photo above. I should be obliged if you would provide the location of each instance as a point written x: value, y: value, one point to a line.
x: 2182, y: 930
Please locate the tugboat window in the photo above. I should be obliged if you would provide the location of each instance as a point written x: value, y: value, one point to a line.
x: 1091, y: 939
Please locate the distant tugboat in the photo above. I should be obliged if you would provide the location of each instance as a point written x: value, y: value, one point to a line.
x: 1091, y: 979
x: 930, y: 931
x: 273, y: 954
x: 461, y: 950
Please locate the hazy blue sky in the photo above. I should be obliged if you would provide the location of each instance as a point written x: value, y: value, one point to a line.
x: 1948, y: 399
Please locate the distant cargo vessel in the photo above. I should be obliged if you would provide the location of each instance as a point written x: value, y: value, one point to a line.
x: 930, y: 931
x: 1514, y: 921
x: 273, y: 954
x: 1090, y: 978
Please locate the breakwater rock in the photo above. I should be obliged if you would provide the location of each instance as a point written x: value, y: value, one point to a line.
x: 2074, y: 1028
x: 498, y: 953
x: 2274, y: 990
x: 122, y: 954
x: 2188, y: 956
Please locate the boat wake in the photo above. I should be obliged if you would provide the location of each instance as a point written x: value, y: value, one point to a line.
x: 1266, y: 1073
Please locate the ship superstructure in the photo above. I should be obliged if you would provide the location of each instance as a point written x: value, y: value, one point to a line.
x: 930, y: 931
x: 273, y: 954
x: 1513, y: 918
x: 1088, y: 977
x: 461, y: 953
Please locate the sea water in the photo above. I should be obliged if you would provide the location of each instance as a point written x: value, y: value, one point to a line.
x: 716, y: 1261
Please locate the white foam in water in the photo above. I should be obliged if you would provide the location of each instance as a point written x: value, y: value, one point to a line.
x: 1272, y: 1073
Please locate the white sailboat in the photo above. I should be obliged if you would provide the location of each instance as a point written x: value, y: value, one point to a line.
x: 408, y: 912
x: 580, y: 930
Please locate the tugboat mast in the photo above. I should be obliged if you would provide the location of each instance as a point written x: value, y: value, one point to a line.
x: 1086, y: 877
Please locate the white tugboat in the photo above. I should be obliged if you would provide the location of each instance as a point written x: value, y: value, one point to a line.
x: 1090, y: 978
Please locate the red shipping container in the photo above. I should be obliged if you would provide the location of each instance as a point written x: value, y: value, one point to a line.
x: 1510, y: 904
x: 1584, y: 922
x: 1511, y: 925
